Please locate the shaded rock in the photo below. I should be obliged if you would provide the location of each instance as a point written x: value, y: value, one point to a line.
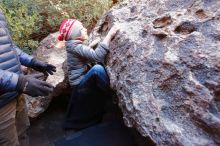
x: 201, y: 14
x: 185, y: 28
x: 162, y: 22
x: 53, y: 52
x: 167, y: 77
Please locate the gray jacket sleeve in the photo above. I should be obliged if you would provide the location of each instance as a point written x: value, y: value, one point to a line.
x: 97, y: 55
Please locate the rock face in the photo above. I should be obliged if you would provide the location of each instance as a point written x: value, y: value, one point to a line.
x: 165, y: 67
x: 53, y: 52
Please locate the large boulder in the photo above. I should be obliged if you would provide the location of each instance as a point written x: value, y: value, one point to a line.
x: 53, y: 52
x: 165, y: 67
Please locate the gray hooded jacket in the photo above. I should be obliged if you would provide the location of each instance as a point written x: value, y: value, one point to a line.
x: 78, y: 58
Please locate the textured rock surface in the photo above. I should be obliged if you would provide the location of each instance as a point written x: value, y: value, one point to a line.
x: 165, y: 65
x: 53, y: 52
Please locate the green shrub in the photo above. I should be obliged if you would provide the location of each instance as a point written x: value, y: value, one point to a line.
x: 23, y: 19
x: 87, y: 11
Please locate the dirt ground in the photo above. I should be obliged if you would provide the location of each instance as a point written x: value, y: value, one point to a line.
x: 48, y: 127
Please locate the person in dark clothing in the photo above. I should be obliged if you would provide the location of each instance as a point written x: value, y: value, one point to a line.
x: 90, y: 85
x: 13, y: 113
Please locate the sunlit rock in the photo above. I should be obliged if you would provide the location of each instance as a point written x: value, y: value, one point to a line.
x: 165, y: 67
x: 53, y: 52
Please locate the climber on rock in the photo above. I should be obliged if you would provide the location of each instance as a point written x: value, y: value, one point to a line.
x: 90, y: 85
x: 13, y: 112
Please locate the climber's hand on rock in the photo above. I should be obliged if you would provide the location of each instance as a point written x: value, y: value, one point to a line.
x: 110, y: 35
x: 112, y: 32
